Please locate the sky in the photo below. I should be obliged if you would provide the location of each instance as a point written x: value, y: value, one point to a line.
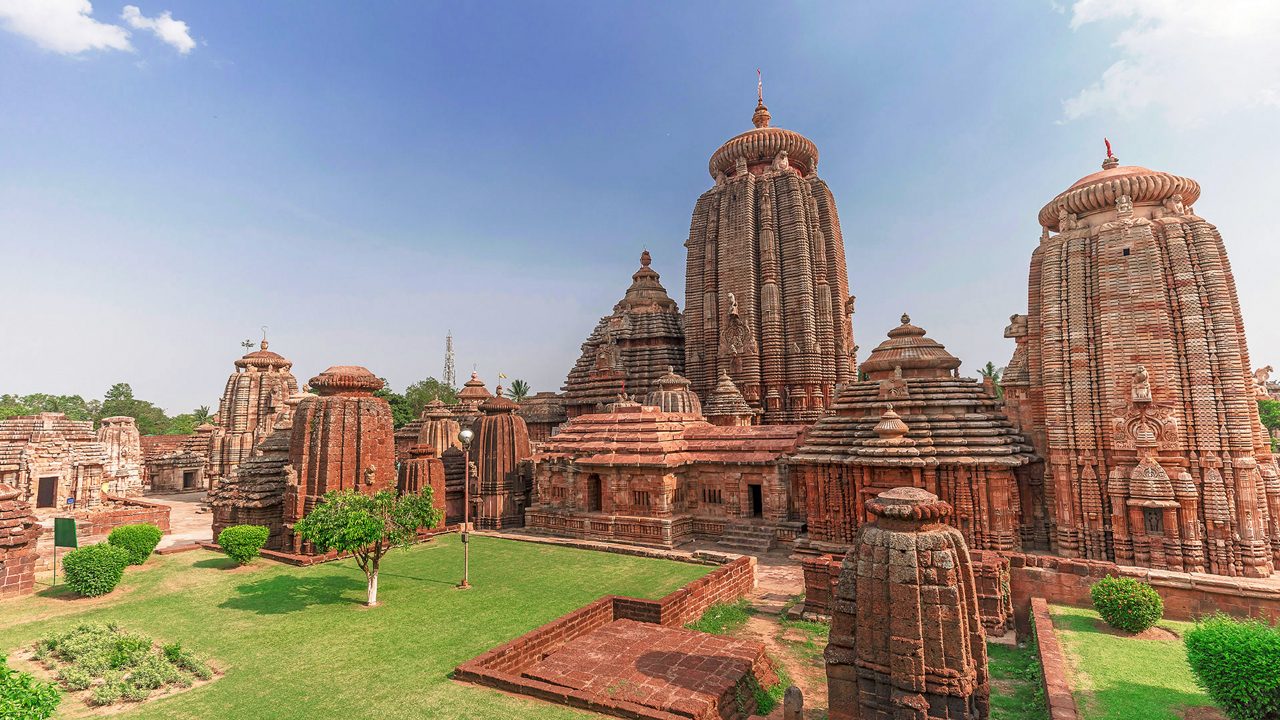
x: 363, y: 178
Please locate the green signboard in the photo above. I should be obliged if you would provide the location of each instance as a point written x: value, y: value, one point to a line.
x: 64, y: 532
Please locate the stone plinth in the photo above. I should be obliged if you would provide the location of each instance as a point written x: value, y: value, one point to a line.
x: 766, y: 290
x: 629, y: 349
x: 342, y: 439
x: 18, y: 535
x: 1132, y: 379
x: 906, y: 637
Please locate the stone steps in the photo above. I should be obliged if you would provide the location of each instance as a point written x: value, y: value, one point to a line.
x: 751, y: 539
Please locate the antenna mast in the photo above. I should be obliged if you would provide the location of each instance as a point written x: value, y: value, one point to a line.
x: 450, y: 375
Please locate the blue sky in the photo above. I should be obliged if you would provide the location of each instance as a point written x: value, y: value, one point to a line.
x: 363, y: 177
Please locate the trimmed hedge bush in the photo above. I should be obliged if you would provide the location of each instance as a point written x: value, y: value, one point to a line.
x: 1127, y: 604
x: 95, y: 570
x: 243, y: 542
x: 1237, y: 662
x: 139, y: 540
x: 22, y: 696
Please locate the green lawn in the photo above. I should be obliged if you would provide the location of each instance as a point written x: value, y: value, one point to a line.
x: 298, y: 642
x: 1118, y: 678
x: 1016, y: 689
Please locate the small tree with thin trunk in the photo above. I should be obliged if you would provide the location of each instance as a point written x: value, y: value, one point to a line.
x: 368, y: 526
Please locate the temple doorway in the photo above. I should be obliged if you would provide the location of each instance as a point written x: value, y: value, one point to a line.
x: 188, y: 479
x: 593, y: 493
x: 757, y: 500
x: 47, y: 492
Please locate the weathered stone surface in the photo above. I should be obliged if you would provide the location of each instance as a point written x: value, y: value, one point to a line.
x: 912, y: 423
x: 543, y: 413
x: 502, y: 485
x: 629, y: 349
x: 342, y: 439
x: 423, y: 469
x: 254, y: 396
x: 61, y: 454
x: 174, y: 463
x: 638, y: 474
x: 906, y: 637
x: 123, y: 445
x: 18, y: 535
x: 766, y: 290
x: 253, y: 494
x: 671, y: 393
x: 1131, y: 377
x: 436, y: 427
x: 726, y: 406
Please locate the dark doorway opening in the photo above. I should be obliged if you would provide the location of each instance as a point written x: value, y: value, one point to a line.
x: 47, y: 492
x: 189, y: 479
x: 757, y: 500
x: 593, y: 493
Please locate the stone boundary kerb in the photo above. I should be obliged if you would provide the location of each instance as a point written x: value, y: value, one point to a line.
x: 1053, y: 665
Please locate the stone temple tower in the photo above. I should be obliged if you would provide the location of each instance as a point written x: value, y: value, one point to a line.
x: 1131, y: 376
x: 766, y: 290
x: 254, y: 397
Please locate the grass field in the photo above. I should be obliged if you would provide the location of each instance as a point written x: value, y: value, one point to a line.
x: 298, y: 643
x: 1016, y: 690
x: 1120, y: 678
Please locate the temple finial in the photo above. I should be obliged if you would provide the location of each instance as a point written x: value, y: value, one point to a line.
x: 906, y: 319
x: 761, y: 116
x: 760, y: 88
x: 645, y: 258
x: 1111, y: 160
x: 264, y: 337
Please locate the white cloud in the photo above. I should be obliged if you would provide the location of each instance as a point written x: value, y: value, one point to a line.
x: 173, y: 32
x: 1187, y: 60
x: 62, y: 26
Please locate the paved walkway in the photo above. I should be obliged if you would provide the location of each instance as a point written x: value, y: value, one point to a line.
x: 189, y: 518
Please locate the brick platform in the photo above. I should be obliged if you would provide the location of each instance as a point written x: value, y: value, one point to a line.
x: 687, y: 673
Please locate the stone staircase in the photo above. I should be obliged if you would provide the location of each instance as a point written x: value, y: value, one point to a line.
x: 747, y: 539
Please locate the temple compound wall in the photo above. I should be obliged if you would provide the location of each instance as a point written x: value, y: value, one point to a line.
x: 641, y: 475
x: 1131, y: 376
x: 766, y: 289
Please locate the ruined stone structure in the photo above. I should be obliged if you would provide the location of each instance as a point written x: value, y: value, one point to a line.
x: 18, y: 535
x: 342, y: 439
x: 1131, y: 376
x: 455, y: 469
x: 49, y: 458
x: 254, y: 395
x: 467, y: 409
x: 542, y: 413
x: 726, y: 406
x: 253, y: 494
x: 629, y: 349
x: 423, y: 469
x: 176, y: 463
x: 913, y: 423
x: 123, y: 445
x: 638, y: 474
x: 906, y: 637
x: 502, y: 484
x: 766, y: 291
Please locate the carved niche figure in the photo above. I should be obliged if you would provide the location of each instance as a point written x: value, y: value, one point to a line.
x: 780, y: 161
x: 1124, y: 206
x: 849, y: 305
x: 607, y: 354
x: 1173, y: 205
x: 1260, y: 378
x: 733, y: 305
x: 739, y: 166
x: 1066, y: 221
x: 1141, y: 385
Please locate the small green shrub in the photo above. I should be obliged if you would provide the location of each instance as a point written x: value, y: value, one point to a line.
x: 22, y: 696
x: 1237, y: 662
x: 136, y: 693
x: 73, y: 678
x: 243, y: 542
x: 107, y: 693
x: 139, y: 540
x: 95, y: 569
x: 1127, y: 604
x: 116, y: 665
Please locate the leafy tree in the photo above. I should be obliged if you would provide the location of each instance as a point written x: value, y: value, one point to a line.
x: 1269, y: 413
x: 13, y: 406
x: 401, y: 412
x: 991, y: 371
x: 119, y: 400
x: 518, y: 391
x: 368, y: 526
x: 186, y: 423
x: 424, y: 391
x: 73, y: 406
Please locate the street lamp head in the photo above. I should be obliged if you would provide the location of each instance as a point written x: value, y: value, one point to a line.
x: 465, y: 436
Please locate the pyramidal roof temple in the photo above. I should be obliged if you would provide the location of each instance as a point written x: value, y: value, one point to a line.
x: 766, y: 290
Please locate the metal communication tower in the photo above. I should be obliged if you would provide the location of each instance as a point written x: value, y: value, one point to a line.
x: 450, y: 375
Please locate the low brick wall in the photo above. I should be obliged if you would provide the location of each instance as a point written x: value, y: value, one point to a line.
x: 1186, y: 596
x: 502, y: 666
x: 95, y: 525
x: 1053, y: 664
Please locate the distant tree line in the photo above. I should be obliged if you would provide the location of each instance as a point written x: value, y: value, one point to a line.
x: 407, y: 406
x: 117, y: 401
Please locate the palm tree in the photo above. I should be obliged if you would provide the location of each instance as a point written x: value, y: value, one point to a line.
x: 518, y: 391
x: 202, y: 414
x: 991, y: 371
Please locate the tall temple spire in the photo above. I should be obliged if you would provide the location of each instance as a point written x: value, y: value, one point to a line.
x: 760, y: 118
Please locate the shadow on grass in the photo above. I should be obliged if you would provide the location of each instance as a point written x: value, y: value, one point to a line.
x: 286, y: 593
x: 450, y: 582
x: 219, y: 563
x: 61, y: 591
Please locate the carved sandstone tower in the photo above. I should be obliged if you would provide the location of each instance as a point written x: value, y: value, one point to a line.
x: 254, y: 396
x: 1132, y: 378
x: 766, y: 291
